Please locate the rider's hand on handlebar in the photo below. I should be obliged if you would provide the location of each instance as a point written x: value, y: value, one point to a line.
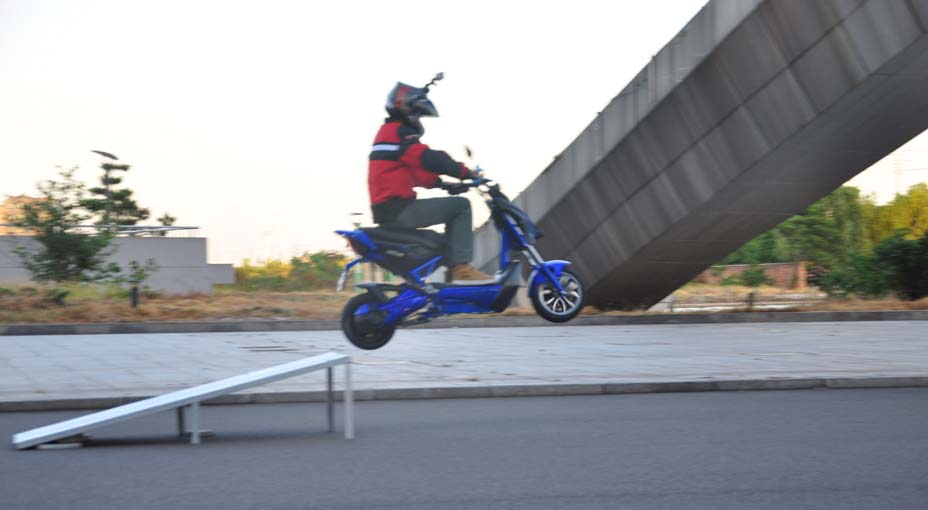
x: 476, y: 173
x: 455, y: 188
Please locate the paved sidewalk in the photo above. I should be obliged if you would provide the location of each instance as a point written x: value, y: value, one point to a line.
x: 45, y: 372
x: 487, y: 321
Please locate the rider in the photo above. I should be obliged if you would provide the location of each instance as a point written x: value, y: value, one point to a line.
x: 399, y: 162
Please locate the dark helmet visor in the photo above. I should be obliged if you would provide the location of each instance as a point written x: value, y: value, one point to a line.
x: 423, y: 107
x: 411, y: 101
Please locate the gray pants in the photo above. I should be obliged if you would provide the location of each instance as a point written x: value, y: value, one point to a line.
x: 454, y: 212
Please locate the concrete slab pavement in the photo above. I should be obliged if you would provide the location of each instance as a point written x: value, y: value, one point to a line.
x: 91, y: 371
x: 487, y: 321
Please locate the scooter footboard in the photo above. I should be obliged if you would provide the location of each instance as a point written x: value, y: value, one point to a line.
x: 482, y: 298
x: 467, y: 299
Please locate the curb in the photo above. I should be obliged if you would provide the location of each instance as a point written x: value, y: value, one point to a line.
x: 475, y: 322
x: 542, y: 390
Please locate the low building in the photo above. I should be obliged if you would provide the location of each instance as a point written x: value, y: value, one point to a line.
x: 182, y: 263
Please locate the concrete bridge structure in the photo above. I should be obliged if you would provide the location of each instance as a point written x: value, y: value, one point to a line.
x: 756, y: 109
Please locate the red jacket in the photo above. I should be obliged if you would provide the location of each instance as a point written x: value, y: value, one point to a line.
x: 399, y: 162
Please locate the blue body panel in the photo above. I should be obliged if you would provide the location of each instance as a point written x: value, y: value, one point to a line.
x: 403, y: 305
x: 448, y: 300
x: 468, y: 298
x: 551, y: 271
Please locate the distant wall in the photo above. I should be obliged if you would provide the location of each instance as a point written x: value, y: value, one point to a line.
x: 785, y: 276
x: 182, y: 265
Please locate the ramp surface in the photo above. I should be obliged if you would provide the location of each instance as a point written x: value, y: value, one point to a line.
x: 178, y: 399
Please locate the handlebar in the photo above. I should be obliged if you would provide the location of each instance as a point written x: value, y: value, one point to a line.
x: 457, y: 188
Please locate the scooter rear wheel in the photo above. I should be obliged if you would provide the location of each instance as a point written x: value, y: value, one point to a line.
x: 367, y: 330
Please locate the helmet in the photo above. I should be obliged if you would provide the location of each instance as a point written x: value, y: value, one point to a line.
x: 409, y: 101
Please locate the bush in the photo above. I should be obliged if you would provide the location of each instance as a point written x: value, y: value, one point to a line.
x: 907, y: 263
x: 730, y: 281
x: 57, y: 295
x: 863, y: 276
x: 754, y: 276
x: 897, y: 265
x: 310, y: 271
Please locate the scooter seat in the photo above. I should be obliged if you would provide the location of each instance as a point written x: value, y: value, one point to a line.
x: 428, y: 238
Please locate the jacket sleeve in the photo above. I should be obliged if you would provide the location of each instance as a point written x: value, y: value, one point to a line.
x: 419, y: 155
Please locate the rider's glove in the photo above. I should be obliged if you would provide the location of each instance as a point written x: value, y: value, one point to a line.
x: 455, y: 188
x: 476, y: 173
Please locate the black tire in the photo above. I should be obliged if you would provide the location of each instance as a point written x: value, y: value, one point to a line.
x: 553, y: 308
x: 367, y: 331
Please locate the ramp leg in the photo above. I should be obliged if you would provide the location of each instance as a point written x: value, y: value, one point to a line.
x: 330, y: 398
x: 194, y: 423
x: 349, y: 404
x: 181, y: 430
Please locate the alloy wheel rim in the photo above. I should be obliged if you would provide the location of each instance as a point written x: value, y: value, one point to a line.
x: 562, y: 304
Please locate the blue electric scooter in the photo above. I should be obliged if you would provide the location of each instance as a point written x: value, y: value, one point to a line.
x: 370, y: 318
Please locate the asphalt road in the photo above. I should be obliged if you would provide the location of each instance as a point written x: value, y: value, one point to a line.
x: 821, y: 449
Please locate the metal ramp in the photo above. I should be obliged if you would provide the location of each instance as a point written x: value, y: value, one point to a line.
x: 187, y: 402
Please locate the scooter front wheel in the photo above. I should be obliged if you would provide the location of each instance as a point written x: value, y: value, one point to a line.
x: 362, y: 323
x: 558, y: 307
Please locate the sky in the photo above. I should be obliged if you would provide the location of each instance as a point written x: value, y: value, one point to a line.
x: 253, y: 120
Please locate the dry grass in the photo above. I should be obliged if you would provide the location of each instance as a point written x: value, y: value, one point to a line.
x: 702, y: 293
x: 89, y: 304
x: 860, y: 305
x: 108, y: 306
x: 812, y: 299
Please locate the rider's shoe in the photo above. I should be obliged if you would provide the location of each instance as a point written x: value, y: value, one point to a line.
x: 465, y: 273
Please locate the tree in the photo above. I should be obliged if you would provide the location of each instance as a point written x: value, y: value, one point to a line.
x: 908, y: 212
x: 825, y: 234
x: 114, y: 206
x: 67, y: 253
x: 853, y: 245
x: 166, y: 220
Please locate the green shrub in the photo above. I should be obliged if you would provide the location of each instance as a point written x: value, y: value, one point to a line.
x: 897, y: 265
x: 863, y: 276
x: 907, y: 264
x: 309, y: 271
x: 754, y: 276
x: 730, y: 281
x: 57, y: 295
